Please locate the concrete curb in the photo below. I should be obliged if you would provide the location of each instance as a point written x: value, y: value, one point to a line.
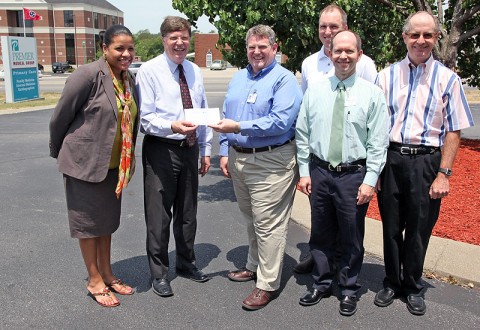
x: 13, y: 111
x: 445, y: 257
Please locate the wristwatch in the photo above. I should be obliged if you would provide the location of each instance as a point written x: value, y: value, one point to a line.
x: 446, y: 171
x: 237, y: 128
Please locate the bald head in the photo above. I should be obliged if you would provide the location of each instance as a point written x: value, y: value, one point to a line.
x: 345, y: 52
x: 420, y: 34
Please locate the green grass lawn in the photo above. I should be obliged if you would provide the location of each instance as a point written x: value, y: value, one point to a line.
x: 46, y: 99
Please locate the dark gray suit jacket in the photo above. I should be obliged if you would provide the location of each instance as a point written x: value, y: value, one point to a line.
x: 84, y: 123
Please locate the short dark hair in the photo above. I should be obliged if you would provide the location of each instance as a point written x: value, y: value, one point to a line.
x: 113, y: 31
x: 173, y: 24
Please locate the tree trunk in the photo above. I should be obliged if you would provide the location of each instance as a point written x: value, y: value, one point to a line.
x: 448, y: 49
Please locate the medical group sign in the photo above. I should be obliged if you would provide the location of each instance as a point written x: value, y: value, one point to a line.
x: 21, y: 68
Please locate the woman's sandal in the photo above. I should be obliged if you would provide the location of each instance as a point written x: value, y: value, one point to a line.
x: 105, y: 293
x: 122, y: 285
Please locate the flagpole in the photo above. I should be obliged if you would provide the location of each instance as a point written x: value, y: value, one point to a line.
x: 24, y: 33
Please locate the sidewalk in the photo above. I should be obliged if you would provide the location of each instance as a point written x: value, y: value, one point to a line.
x: 444, y: 256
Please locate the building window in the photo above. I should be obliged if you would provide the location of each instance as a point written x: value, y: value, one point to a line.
x: 114, y: 20
x: 105, y: 21
x: 95, y: 20
x: 70, y: 48
x: 19, y: 20
x: 68, y: 18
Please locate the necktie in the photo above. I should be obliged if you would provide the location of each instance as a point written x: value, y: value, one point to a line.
x: 336, y: 135
x: 186, y: 101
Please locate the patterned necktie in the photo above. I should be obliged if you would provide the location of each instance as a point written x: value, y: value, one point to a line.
x: 187, y: 102
x: 336, y: 135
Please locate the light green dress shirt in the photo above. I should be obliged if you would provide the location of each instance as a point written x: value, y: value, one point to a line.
x: 365, y: 127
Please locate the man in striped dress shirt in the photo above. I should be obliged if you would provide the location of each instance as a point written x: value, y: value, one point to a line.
x: 427, y: 109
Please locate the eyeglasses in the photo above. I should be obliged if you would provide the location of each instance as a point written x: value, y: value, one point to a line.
x: 426, y: 36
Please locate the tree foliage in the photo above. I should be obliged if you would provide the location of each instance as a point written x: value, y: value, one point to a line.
x: 148, y: 45
x: 378, y: 22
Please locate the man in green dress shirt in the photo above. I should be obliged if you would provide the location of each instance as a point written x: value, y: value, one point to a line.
x: 342, y: 139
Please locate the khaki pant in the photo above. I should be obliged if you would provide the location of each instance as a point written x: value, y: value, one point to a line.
x: 265, y: 185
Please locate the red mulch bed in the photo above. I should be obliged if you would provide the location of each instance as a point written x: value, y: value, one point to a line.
x: 460, y: 212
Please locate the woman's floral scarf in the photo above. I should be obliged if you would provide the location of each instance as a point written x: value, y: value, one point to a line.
x: 126, y: 156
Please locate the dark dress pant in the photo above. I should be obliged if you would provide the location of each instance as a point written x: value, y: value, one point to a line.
x: 170, y: 175
x: 405, y: 205
x: 335, y: 213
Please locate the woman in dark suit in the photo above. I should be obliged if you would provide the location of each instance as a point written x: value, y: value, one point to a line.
x: 92, y: 134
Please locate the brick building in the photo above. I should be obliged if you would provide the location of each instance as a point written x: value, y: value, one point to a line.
x: 69, y: 29
x: 206, y: 46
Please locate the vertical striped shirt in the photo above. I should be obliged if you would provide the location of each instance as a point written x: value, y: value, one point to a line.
x: 424, y: 102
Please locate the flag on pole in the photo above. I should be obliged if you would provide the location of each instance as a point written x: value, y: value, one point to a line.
x: 31, y: 15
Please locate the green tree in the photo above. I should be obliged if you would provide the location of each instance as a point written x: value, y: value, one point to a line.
x: 378, y: 22
x: 148, y: 45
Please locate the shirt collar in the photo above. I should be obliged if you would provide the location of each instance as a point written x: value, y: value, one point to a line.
x: 322, y: 54
x: 262, y: 72
x: 172, y: 65
x: 348, y: 82
x: 427, y: 65
x: 405, y: 69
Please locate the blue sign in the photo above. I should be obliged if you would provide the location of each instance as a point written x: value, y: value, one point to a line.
x: 20, y: 68
x: 25, y: 84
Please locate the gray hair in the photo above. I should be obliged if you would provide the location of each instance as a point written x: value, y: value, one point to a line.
x: 261, y: 31
x: 407, y: 25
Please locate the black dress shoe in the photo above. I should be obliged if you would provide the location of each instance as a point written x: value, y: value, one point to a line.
x: 313, y: 296
x: 162, y: 287
x: 416, y: 305
x: 193, y: 274
x: 305, y: 266
x: 384, y: 297
x: 348, y: 305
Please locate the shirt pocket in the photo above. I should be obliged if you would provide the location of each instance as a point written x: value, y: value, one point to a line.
x: 356, y: 125
x: 259, y: 109
x: 196, y: 94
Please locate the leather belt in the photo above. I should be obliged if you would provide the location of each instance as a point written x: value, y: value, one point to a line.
x: 412, y: 149
x: 261, y: 149
x: 344, y: 167
x: 179, y: 143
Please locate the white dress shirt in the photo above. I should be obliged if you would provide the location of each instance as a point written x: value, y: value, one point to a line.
x: 161, y: 103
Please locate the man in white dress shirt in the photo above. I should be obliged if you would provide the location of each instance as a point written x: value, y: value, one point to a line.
x: 333, y: 19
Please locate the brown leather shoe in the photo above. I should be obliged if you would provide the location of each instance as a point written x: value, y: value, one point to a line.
x: 242, y: 275
x: 257, y: 299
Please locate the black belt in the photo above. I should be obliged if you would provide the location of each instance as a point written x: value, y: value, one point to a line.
x: 179, y: 143
x: 344, y: 167
x: 254, y: 150
x: 412, y: 149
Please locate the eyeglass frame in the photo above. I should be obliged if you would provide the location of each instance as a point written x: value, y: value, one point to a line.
x: 425, y: 35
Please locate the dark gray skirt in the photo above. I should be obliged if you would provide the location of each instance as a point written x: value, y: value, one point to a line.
x: 93, y: 208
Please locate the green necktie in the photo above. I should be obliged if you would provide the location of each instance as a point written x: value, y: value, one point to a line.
x: 336, y: 135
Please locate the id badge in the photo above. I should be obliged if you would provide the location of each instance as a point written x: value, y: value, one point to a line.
x: 252, y: 97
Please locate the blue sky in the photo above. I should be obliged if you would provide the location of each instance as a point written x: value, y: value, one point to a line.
x: 149, y: 14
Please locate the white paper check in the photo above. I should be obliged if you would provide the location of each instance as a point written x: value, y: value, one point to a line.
x: 203, y: 116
